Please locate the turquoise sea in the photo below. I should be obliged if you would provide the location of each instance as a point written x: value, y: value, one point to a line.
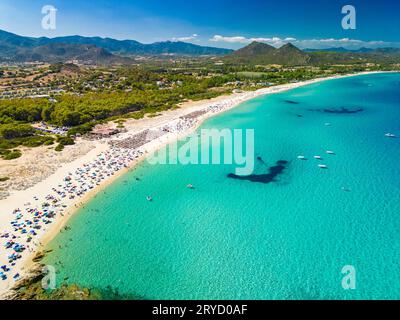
x: 236, y: 239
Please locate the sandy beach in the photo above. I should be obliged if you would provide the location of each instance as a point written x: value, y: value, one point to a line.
x: 33, y: 215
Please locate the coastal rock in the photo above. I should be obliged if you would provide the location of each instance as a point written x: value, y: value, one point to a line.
x: 39, y: 256
x: 20, y: 291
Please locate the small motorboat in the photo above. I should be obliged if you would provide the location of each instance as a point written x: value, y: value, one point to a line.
x: 390, y: 135
x: 149, y: 198
x: 330, y: 152
x: 318, y: 157
x: 301, y: 158
x: 323, y: 166
x: 190, y: 186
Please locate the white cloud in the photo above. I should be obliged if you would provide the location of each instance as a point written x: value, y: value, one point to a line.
x: 189, y: 38
x: 307, y: 43
x: 275, y: 41
x: 219, y: 38
x: 344, y: 42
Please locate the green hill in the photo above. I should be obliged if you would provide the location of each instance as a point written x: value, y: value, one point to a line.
x: 261, y: 53
x: 289, y: 55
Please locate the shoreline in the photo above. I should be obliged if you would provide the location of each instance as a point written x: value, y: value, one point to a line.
x: 72, y: 206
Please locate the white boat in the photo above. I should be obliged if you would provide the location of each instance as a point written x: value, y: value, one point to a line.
x: 190, y: 186
x: 330, y: 152
x: 323, y: 166
x: 301, y: 158
x: 149, y: 198
x: 390, y: 135
x: 318, y: 157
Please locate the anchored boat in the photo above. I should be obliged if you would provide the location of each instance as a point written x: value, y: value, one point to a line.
x: 390, y: 135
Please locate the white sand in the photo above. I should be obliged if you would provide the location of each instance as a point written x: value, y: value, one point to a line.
x: 17, y: 199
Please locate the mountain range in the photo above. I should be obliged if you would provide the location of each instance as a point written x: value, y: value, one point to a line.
x: 340, y: 49
x: 102, y: 50
x: 96, y: 50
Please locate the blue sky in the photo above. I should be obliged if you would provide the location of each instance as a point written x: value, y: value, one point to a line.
x: 221, y: 23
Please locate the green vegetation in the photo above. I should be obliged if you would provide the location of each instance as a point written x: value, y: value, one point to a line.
x: 252, y: 74
x: 59, y: 148
x: 29, y: 142
x: 65, y: 141
x: 101, y: 95
x: 143, y: 95
x: 10, y: 131
x: 11, y: 155
x: 4, y: 179
x: 62, y: 142
x: 16, y: 135
x: 81, y: 129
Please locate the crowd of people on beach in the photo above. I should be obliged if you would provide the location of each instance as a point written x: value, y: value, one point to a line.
x: 137, y: 140
x: 188, y: 121
x: 44, y: 127
x: 33, y: 219
x: 179, y: 126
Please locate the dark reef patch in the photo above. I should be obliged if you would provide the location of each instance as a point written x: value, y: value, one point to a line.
x: 274, y: 172
x: 341, y: 110
x: 262, y: 161
x: 292, y: 102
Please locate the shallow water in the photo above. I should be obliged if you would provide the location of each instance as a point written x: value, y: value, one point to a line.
x: 243, y: 239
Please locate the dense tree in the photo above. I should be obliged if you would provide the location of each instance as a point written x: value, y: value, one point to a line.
x: 11, y: 131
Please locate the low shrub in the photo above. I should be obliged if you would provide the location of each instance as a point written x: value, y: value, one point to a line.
x: 12, y: 155
x: 65, y: 141
x: 59, y: 148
